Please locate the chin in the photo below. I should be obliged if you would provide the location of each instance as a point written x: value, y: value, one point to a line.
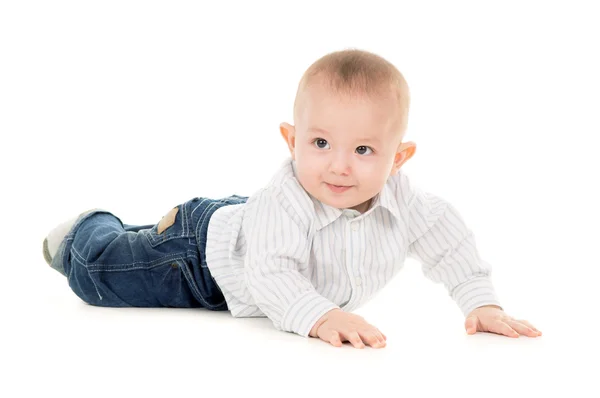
x: 340, y: 203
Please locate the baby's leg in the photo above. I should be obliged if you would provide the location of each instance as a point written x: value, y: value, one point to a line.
x: 108, y: 263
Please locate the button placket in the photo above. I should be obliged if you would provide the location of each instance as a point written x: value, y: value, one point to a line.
x: 355, y: 280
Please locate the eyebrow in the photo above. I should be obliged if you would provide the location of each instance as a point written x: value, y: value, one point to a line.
x: 321, y: 131
x: 317, y: 130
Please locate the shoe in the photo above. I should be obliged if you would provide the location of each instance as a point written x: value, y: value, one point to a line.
x: 55, y: 237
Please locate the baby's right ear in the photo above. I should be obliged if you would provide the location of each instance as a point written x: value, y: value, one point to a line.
x: 288, y: 132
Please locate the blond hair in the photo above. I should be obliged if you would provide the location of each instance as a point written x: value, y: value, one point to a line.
x: 357, y: 73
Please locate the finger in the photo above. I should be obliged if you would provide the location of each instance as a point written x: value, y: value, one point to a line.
x: 381, y: 337
x: 354, y: 339
x: 335, y: 339
x: 370, y: 337
x: 522, y: 328
x: 530, y: 326
x: 471, y: 324
x: 501, y: 327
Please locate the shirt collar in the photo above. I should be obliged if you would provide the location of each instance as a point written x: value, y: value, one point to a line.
x: 326, y: 214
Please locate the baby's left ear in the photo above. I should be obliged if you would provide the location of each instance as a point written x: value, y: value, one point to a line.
x: 405, y: 152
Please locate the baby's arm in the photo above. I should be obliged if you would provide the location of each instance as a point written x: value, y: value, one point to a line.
x: 277, y: 245
x: 439, y: 239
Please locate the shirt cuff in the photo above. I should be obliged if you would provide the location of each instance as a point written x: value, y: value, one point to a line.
x: 475, y: 293
x: 301, y: 315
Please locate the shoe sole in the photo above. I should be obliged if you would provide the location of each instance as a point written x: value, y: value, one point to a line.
x: 47, y: 256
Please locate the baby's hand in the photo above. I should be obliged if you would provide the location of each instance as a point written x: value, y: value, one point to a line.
x: 493, y: 319
x: 337, y: 326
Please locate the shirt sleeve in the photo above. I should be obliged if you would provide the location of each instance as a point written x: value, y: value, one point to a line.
x: 278, y: 244
x: 439, y: 239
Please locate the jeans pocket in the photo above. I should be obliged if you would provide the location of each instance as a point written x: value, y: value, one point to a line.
x: 172, y: 225
x: 170, y: 287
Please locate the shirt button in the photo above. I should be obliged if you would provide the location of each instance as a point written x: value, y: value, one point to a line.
x: 355, y: 227
x: 358, y: 281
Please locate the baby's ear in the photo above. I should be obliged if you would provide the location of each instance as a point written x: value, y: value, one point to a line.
x: 288, y: 132
x: 405, y: 152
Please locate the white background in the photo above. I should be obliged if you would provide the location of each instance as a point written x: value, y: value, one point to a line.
x: 139, y: 106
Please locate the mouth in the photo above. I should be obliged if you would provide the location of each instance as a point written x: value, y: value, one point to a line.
x: 338, y: 188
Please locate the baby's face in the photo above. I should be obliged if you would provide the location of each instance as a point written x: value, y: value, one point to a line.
x: 345, y: 148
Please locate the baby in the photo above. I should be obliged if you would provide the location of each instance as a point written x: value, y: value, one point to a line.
x: 331, y: 229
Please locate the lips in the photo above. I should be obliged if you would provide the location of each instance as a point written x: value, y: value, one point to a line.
x: 338, y: 188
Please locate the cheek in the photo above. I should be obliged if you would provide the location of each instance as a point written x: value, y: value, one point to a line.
x: 312, y: 171
x: 301, y: 151
x: 374, y: 175
x: 311, y: 165
x: 308, y: 175
x: 369, y: 168
x: 309, y: 180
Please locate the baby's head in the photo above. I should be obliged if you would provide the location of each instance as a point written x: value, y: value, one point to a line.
x: 350, y: 115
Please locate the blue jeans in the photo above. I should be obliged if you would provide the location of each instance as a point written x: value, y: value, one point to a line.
x: 111, y: 264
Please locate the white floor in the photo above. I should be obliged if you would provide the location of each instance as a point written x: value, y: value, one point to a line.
x: 55, y: 344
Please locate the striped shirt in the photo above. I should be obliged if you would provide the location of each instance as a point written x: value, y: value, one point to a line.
x: 285, y: 255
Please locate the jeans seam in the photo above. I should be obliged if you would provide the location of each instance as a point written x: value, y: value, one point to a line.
x: 91, y: 279
x: 127, y: 266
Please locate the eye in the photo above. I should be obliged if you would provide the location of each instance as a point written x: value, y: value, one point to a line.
x: 321, y: 143
x: 362, y: 149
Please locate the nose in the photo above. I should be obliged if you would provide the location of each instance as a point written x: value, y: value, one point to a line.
x: 340, y: 164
